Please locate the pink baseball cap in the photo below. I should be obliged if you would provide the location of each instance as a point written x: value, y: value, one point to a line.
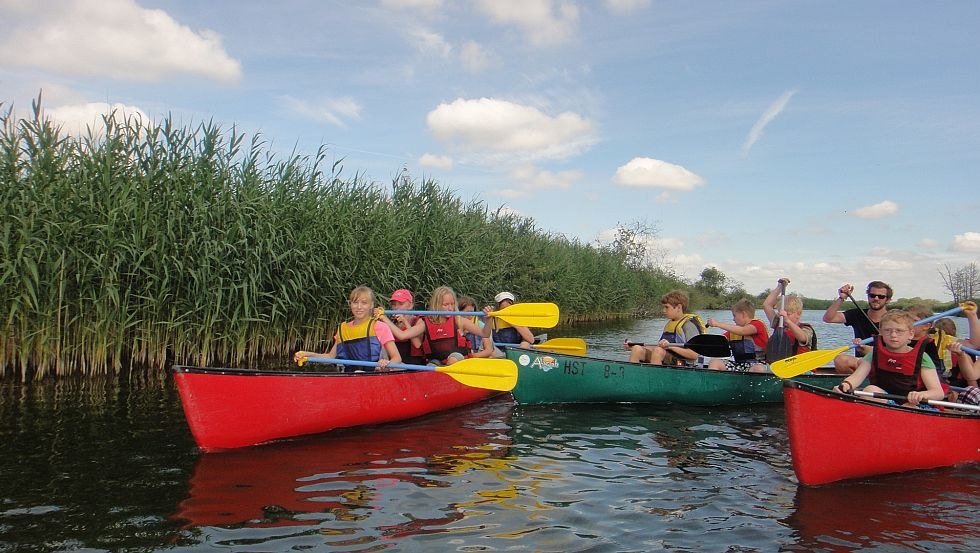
x: 401, y: 295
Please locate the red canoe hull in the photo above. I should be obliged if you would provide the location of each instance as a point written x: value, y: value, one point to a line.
x: 834, y: 437
x: 231, y: 408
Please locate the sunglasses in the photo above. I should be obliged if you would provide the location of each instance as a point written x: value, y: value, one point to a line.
x: 877, y: 297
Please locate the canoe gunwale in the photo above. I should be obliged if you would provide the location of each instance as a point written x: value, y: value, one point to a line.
x: 190, y: 369
x: 860, y: 400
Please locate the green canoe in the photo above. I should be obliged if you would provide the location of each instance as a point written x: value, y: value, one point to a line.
x: 546, y: 377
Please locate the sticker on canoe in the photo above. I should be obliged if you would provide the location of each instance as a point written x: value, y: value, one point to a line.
x: 543, y: 362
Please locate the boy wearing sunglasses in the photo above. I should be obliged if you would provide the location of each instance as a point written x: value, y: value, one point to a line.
x: 864, y: 321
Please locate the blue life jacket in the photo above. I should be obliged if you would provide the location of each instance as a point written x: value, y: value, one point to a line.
x: 359, y: 343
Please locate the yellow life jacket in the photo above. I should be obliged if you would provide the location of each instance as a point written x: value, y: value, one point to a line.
x: 358, y: 342
x: 674, y: 330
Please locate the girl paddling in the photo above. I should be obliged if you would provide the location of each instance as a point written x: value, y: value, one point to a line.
x: 362, y: 338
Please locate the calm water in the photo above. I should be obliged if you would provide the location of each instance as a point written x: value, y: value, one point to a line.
x: 90, y: 466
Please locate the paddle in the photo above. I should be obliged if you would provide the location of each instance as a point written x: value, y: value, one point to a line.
x: 539, y: 315
x: 903, y: 399
x: 568, y: 346
x: 863, y: 312
x: 799, y: 364
x: 492, y: 374
x: 780, y: 344
x: 708, y: 345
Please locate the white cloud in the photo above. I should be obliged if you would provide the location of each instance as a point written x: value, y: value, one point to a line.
x: 428, y: 42
x: 966, y: 242
x: 543, y: 22
x: 423, y: 5
x: 498, y: 130
x: 512, y: 193
x: 76, y: 119
x: 771, y: 112
x: 877, y: 211
x: 507, y: 211
x: 911, y: 272
x: 475, y: 58
x: 928, y: 243
x: 439, y: 162
x: 644, y: 172
x: 533, y: 177
x: 335, y: 111
x: 118, y: 39
x: 622, y: 7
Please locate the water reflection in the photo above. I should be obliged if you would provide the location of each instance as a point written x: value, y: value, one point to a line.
x: 925, y: 510
x: 358, y: 485
x: 693, y: 479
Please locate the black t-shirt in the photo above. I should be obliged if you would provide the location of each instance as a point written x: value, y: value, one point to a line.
x: 863, y: 328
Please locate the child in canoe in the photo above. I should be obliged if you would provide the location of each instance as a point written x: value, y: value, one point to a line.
x: 748, y: 337
x: 504, y: 332
x: 401, y: 300
x: 441, y: 338
x: 896, y: 365
x: 943, y: 332
x: 362, y: 338
x: 477, y: 344
x: 681, y: 327
x: 967, y: 373
x: 921, y: 332
x: 802, y: 336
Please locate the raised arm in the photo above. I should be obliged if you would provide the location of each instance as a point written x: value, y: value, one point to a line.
x: 801, y: 333
x: 833, y: 313
x: 970, y: 310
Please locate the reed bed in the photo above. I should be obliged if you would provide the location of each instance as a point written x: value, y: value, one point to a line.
x: 145, y: 244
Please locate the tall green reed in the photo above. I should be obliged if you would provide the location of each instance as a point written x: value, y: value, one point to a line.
x: 143, y: 244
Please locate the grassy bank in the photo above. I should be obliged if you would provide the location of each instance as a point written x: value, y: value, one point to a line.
x: 149, y: 244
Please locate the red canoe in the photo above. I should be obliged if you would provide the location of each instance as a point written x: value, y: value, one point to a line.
x: 229, y: 408
x: 835, y: 437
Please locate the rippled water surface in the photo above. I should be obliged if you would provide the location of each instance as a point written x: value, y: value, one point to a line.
x: 96, y: 466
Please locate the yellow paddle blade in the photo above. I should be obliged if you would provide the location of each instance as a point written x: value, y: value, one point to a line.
x: 568, y: 346
x: 799, y: 364
x: 539, y: 315
x: 492, y: 374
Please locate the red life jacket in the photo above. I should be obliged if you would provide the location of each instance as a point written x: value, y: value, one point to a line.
x: 749, y: 348
x: 800, y: 347
x: 408, y: 352
x: 442, y: 339
x: 897, y: 373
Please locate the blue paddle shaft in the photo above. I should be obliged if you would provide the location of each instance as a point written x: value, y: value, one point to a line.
x: 359, y: 363
x: 921, y: 322
x: 412, y: 312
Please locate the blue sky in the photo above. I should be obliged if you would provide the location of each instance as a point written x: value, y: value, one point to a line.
x: 828, y: 141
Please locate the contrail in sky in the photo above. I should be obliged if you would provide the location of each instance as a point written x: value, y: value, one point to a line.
x: 771, y: 112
